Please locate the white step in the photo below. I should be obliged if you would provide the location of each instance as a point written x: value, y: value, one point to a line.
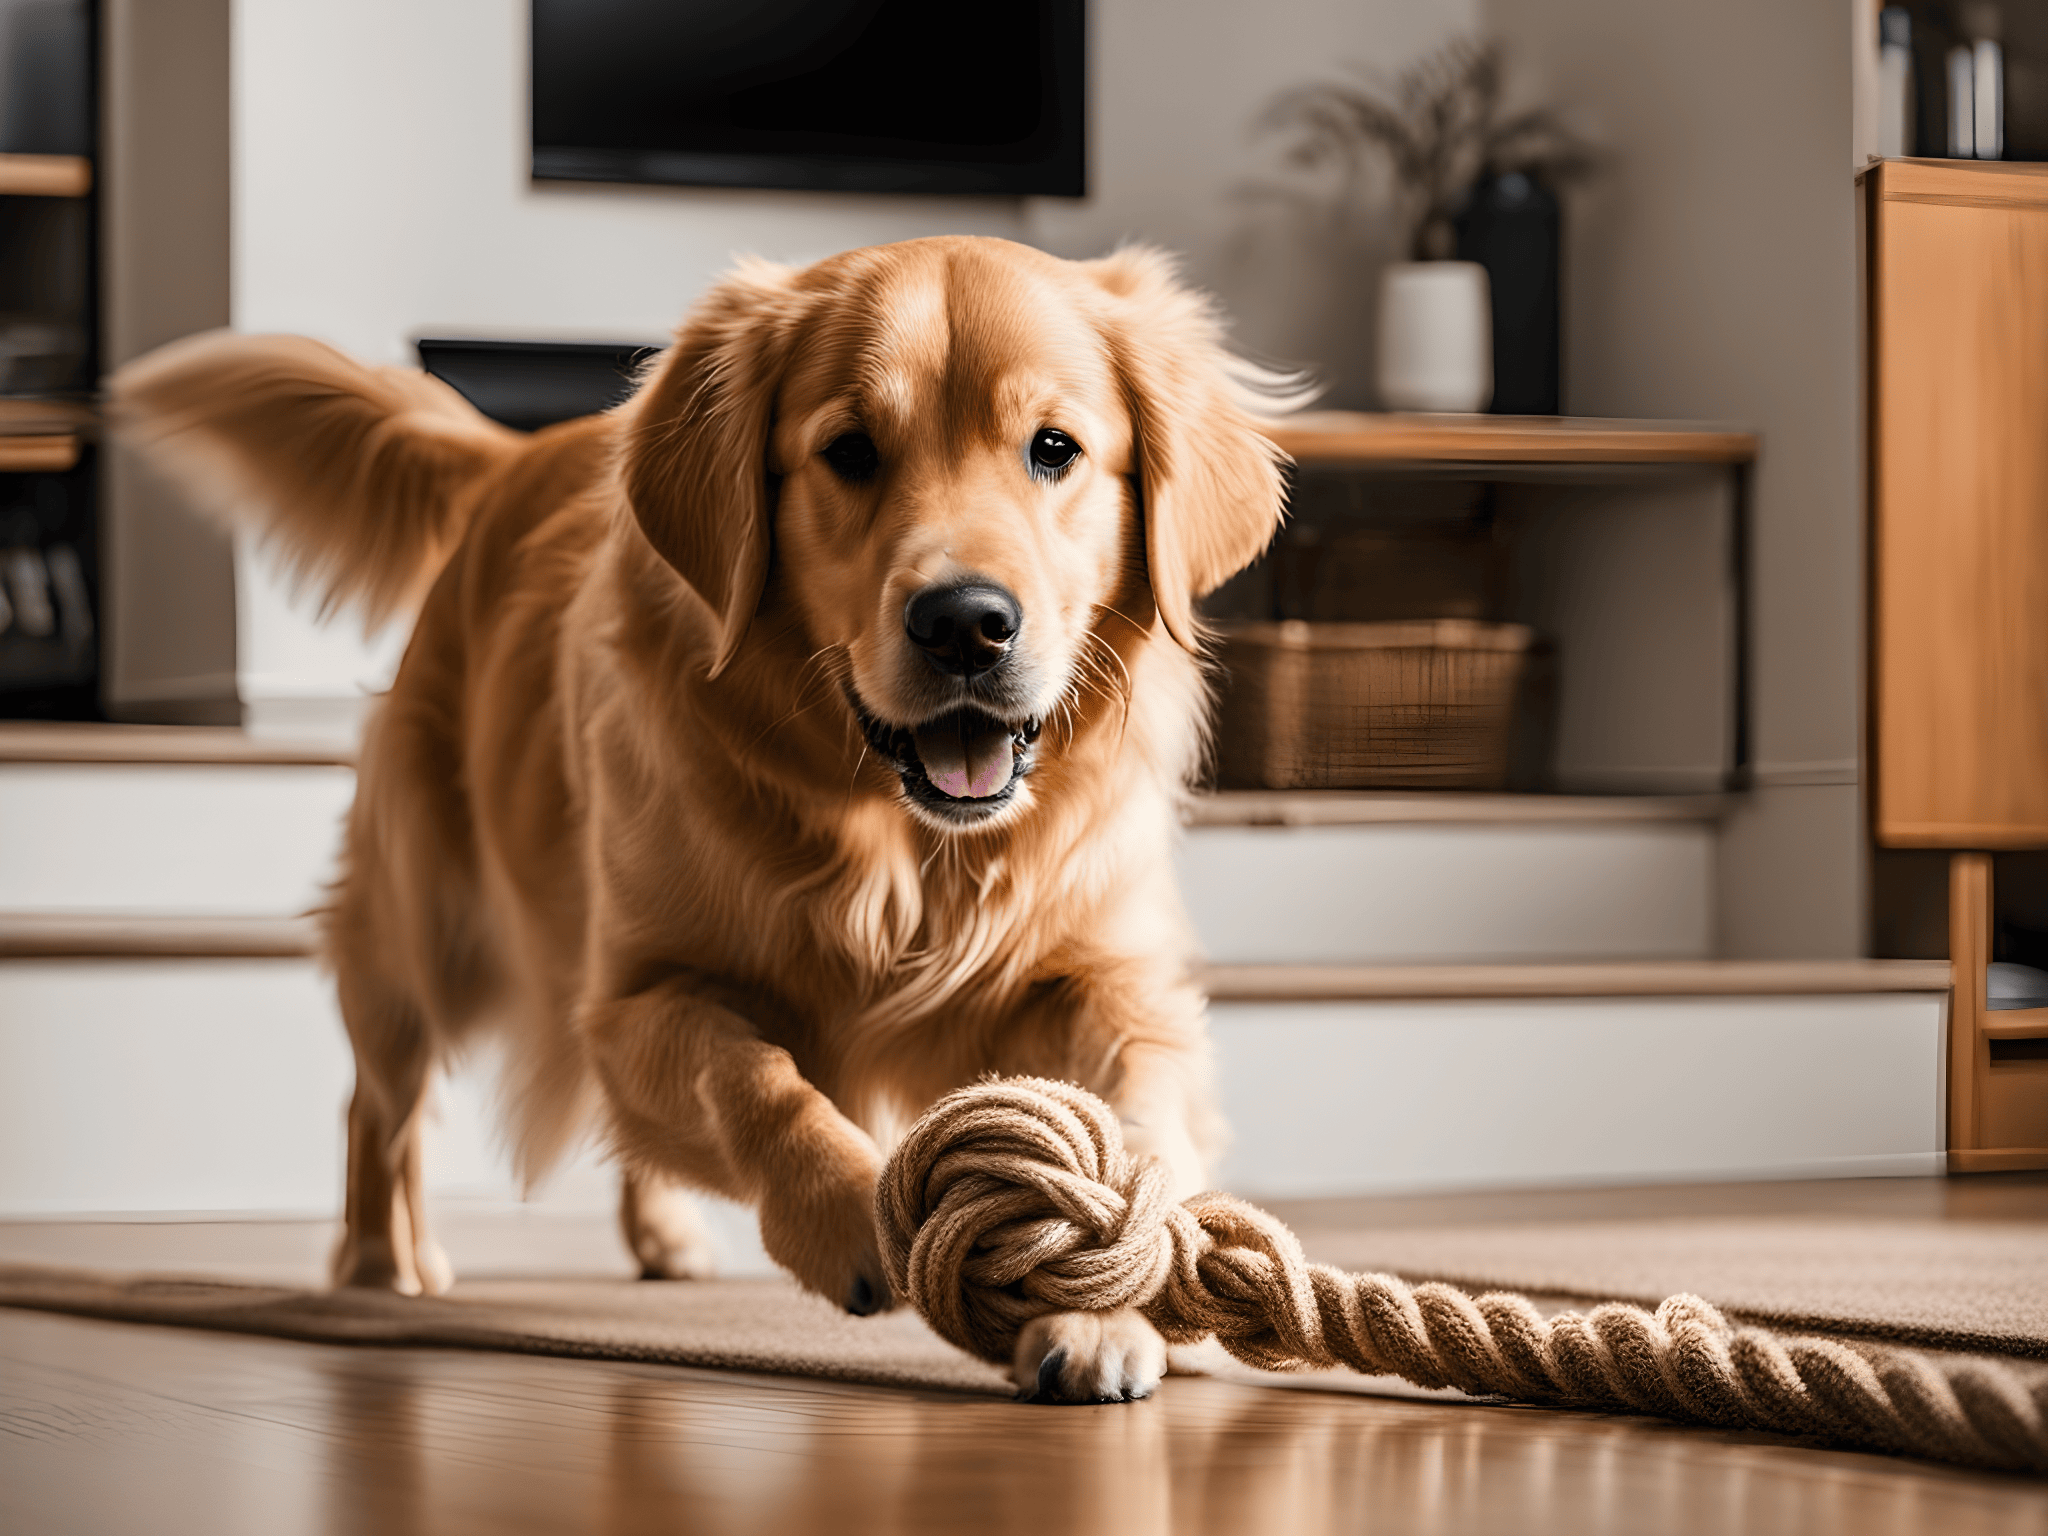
x: 165, y: 1085
x: 1356, y: 878
x: 1391, y: 891
x: 1339, y: 1098
x: 155, y: 1082
x: 240, y: 839
x: 203, y: 1084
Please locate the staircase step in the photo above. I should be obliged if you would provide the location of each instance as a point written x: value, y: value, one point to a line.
x: 23, y: 741
x: 1355, y: 1097
x: 170, y: 1085
x: 194, y: 838
x: 167, y: 1042
x: 196, y: 821
x: 122, y: 935
x: 211, y: 1083
x: 1624, y: 978
x: 28, y: 935
x: 1451, y: 890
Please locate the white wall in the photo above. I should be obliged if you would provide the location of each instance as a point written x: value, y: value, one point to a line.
x: 381, y: 192
x: 381, y: 188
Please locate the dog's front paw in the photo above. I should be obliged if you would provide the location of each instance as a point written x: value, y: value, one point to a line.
x: 1088, y: 1357
x: 826, y: 1238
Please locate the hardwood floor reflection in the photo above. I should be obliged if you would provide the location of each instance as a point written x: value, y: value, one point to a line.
x: 113, y: 1428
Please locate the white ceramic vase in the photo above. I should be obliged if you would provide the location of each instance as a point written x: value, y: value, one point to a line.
x: 1436, y: 337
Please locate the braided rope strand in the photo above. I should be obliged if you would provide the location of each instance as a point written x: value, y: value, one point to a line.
x: 1015, y: 1198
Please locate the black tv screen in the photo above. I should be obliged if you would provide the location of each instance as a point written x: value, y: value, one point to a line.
x: 843, y: 95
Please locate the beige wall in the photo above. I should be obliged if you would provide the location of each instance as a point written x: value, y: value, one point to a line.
x: 381, y: 192
x: 1711, y: 273
x: 1176, y: 88
x: 170, y: 597
x: 381, y: 185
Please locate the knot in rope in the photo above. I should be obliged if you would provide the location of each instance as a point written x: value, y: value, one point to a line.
x: 1015, y: 1198
x: 1012, y: 1199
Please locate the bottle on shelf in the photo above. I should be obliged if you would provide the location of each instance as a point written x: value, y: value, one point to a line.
x: 1962, y: 103
x: 1981, y: 24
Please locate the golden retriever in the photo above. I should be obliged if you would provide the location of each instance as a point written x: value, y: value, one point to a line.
x: 779, y: 750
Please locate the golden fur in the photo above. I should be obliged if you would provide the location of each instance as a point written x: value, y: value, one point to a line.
x: 618, y: 804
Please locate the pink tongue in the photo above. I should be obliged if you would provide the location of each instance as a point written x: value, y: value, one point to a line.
x: 969, y: 761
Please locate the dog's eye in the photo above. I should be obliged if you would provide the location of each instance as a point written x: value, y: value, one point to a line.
x: 852, y: 456
x: 1052, y: 450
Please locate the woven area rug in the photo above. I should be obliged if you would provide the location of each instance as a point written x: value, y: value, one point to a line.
x: 1960, y: 1305
x: 742, y: 1325
x: 1979, y: 1287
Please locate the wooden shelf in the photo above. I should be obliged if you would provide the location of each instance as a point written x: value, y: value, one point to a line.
x: 1357, y: 438
x: 27, y: 742
x: 1621, y: 978
x: 45, y: 175
x: 38, y: 453
x: 1354, y: 808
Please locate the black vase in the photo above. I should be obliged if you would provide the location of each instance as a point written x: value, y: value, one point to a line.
x: 1510, y: 226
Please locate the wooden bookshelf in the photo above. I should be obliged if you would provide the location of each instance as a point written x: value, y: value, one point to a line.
x: 45, y: 176
x: 1956, y: 331
x: 1359, y: 439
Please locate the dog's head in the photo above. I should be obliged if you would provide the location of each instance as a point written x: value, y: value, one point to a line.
x: 964, y: 460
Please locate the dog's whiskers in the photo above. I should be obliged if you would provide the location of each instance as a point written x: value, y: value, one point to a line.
x: 1120, y: 684
x: 853, y: 780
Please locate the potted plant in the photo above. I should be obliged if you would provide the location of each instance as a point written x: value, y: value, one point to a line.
x: 1459, y: 164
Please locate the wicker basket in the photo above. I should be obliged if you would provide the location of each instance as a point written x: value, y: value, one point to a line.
x: 1369, y: 706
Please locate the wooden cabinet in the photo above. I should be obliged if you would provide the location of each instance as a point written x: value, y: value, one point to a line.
x: 1958, y: 288
x: 1956, y: 276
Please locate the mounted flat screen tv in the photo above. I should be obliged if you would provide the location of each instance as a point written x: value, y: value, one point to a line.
x: 835, y: 95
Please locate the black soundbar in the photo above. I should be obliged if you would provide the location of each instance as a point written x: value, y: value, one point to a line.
x: 534, y: 384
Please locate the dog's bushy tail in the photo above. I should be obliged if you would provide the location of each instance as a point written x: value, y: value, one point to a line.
x: 362, y: 479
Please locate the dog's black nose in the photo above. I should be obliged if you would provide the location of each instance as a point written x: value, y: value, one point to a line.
x: 964, y: 629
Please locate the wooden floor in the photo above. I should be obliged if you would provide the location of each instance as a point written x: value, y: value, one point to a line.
x: 109, y: 1427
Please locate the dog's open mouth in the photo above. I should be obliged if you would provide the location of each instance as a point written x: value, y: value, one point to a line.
x: 964, y: 765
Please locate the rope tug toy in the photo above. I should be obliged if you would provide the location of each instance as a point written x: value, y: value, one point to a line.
x: 1015, y: 1197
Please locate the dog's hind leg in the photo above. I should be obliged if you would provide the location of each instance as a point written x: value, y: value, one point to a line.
x: 384, y: 1241
x: 665, y: 1228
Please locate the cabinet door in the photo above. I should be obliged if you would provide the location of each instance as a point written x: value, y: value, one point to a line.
x: 1958, y: 287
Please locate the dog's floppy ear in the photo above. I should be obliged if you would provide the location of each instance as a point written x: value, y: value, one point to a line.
x: 696, y: 447
x: 1208, y: 481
